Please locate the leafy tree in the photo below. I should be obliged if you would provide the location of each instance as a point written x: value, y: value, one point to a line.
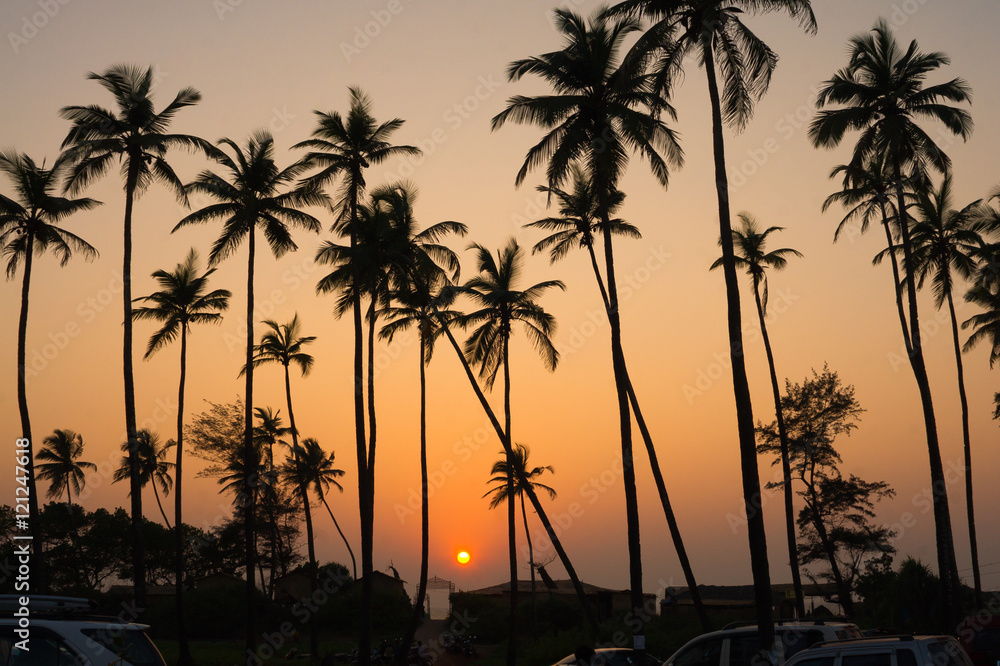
x: 29, y: 226
x: 134, y: 135
x: 882, y: 93
x: 153, y: 466
x: 59, y: 463
x: 905, y: 601
x: 750, y: 243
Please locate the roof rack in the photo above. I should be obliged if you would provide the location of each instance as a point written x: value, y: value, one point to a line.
x: 790, y: 620
x: 39, y: 604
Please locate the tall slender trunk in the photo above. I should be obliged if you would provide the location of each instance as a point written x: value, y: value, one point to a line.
x: 661, y: 487
x: 843, y: 590
x: 310, y: 544
x: 741, y: 389
x: 159, y: 504
x: 135, y: 485
x: 372, y: 318
x: 184, y: 657
x: 546, y: 523
x: 786, y: 466
x: 967, y: 448
x: 35, y: 525
x: 250, y: 473
x: 947, y: 568
x: 354, y: 566
x: 418, y: 602
x: 531, y: 567
x: 896, y: 283
x: 511, y: 532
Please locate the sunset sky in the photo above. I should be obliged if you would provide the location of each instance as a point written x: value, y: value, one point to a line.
x: 441, y: 66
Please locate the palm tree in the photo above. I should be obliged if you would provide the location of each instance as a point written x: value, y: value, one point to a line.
x: 153, y: 466
x: 577, y: 226
x: 313, y: 467
x: 750, y: 244
x: 60, y: 464
x: 343, y: 147
x: 494, y: 291
x: 183, y: 300
x: 715, y: 31
x: 945, y: 244
x: 257, y: 194
x: 881, y: 93
x: 267, y: 434
x: 135, y: 136
x: 605, y: 107
x: 503, y: 480
x: 29, y: 225
x: 987, y: 324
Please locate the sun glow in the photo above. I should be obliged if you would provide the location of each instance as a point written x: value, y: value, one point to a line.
x: 463, y: 557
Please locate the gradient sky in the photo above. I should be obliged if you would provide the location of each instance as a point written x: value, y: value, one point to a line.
x: 440, y: 66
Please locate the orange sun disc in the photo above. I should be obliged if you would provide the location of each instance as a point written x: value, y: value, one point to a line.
x: 463, y: 557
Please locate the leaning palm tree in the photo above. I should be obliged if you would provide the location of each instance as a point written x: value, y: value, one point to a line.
x: 135, y: 136
x: 501, y: 305
x: 945, y: 245
x: 254, y: 194
x: 344, y: 147
x: 504, y: 479
x: 715, y: 31
x: 29, y: 226
x: 153, y: 466
x: 605, y: 107
x: 750, y: 243
x: 578, y: 225
x: 882, y: 93
x: 59, y: 463
x: 183, y: 300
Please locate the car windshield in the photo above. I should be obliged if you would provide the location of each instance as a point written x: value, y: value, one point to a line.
x: 133, y: 645
x: 947, y: 653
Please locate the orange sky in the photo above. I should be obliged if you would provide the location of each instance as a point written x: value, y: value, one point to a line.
x: 441, y: 67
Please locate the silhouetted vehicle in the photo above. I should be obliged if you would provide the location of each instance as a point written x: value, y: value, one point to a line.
x: 738, y: 645
x: 885, y: 651
x: 981, y: 640
x: 613, y: 657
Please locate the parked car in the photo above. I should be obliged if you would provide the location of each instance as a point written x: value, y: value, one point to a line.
x: 980, y: 638
x: 613, y: 657
x: 885, y: 651
x: 737, y: 645
x: 66, y: 631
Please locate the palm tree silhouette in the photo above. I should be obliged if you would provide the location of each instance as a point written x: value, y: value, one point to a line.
x: 256, y: 194
x: 749, y: 246
x: 945, y: 244
x: 881, y: 93
x: 605, y: 108
x: 578, y: 225
x: 29, y: 225
x: 343, y: 147
x: 267, y: 434
x: 134, y: 135
x: 183, y: 300
x: 60, y: 464
x: 500, y: 305
x: 503, y: 480
x: 715, y: 31
x: 153, y: 466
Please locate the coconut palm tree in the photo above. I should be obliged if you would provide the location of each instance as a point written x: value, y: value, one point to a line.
x: 29, y: 226
x: 254, y: 193
x: 501, y: 305
x: 578, y: 224
x: 344, y: 147
x: 502, y: 481
x: 183, y: 300
x: 605, y: 108
x: 986, y: 326
x: 715, y: 31
x: 749, y: 244
x: 882, y: 93
x: 135, y: 136
x: 153, y: 466
x: 945, y: 245
x: 59, y: 463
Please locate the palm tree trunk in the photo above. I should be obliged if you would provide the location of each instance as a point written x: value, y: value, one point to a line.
x: 511, y: 532
x: 654, y: 464
x: 372, y: 318
x: 135, y: 485
x: 741, y: 389
x: 418, y: 603
x: 546, y: 523
x: 310, y: 544
x: 322, y: 498
x: 531, y: 566
x: 35, y: 525
x: 251, y: 479
x: 947, y: 569
x: 967, y: 448
x: 786, y: 466
x: 159, y: 504
x: 184, y: 657
x: 896, y: 284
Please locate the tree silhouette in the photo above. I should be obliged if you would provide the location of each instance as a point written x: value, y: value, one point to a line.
x: 60, y: 464
x: 153, y: 466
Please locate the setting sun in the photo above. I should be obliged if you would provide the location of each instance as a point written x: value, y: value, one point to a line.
x: 463, y: 557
